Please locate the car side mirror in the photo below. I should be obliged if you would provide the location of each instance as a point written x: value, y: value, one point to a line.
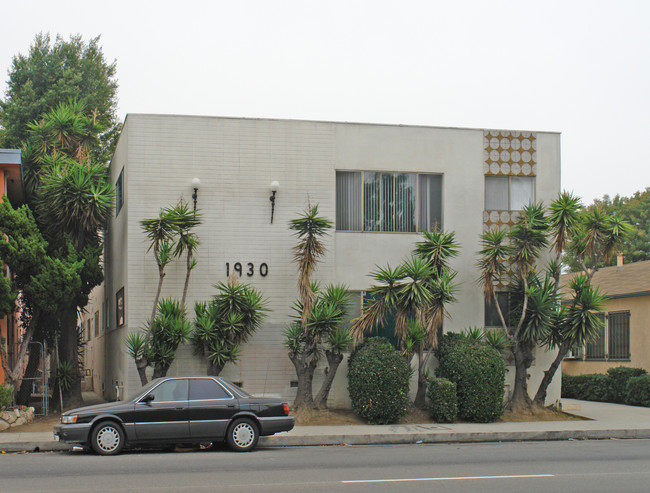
x: 147, y: 398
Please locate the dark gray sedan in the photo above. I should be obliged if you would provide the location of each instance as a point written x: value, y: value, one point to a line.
x: 177, y: 410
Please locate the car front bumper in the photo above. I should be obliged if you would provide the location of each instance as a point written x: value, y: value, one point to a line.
x: 77, y: 433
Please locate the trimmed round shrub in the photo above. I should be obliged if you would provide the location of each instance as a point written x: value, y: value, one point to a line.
x: 443, y: 404
x: 638, y: 391
x: 618, y: 379
x: 479, y: 373
x: 378, y: 382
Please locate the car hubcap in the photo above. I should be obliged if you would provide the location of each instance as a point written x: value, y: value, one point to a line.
x: 243, y: 434
x: 108, y: 439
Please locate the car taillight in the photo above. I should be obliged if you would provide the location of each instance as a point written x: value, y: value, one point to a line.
x: 285, y: 406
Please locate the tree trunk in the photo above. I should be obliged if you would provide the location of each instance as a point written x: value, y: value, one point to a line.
x: 420, y: 396
x: 305, y: 374
x: 160, y: 370
x: 520, y: 400
x: 214, y: 370
x: 69, y: 351
x: 25, y: 392
x: 540, y: 397
x: 333, y: 361
x: 141, y: 364
x: 188, y: 267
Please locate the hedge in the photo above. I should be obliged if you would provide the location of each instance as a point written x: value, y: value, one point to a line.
x: 637, y: 391
x: 443, y: 404
x: 479, y: 373
x: 593, y: 387
x: 378, y: 382
x: 618, y: 379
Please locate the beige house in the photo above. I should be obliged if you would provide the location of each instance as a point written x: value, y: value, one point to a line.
x: 625, y: 336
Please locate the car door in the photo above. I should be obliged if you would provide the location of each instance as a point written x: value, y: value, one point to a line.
x: 211, y: 408
x: 163, y: 414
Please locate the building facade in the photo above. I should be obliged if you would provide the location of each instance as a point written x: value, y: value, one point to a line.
x: 624, y: 337
x: 380, y: 184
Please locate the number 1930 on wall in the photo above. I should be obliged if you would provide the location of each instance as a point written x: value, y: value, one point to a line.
x: 247, y: 268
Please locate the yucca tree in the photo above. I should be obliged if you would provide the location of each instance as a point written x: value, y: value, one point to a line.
x: 170, y: 235
x: 169, y: 329
x: 221, y: 326
x: 417, y: 292
x: 509, y: 258
x: 317, y: 326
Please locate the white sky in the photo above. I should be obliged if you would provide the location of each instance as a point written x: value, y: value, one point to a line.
x: 578, y: 67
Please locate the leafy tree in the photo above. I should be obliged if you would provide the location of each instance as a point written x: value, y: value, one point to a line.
x: 317, y: 325
x: 55, y: 73
x: 418, y: 292
x: 224, y: 324
x: 47, y: 284
x: 635, y: 210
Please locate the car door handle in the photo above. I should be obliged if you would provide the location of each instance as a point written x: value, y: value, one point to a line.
x: 231, y: 405
x: 179, y: 408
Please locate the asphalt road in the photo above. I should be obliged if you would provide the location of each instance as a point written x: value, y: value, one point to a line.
x: 589, y: 466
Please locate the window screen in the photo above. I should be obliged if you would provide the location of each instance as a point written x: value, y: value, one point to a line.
x: 596, y: 348
x: 496, y: 193
x: 618, y: 326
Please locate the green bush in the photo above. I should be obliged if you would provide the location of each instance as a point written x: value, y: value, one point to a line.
x: 378, y: 382
x: 638, y: 391
x: 443, y: 404
x: 479, y: 373
x: 593, y: 387
x: 6, y: 395
x: 618, y: 379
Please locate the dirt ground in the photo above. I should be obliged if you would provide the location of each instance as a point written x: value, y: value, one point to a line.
x: 335, y: 417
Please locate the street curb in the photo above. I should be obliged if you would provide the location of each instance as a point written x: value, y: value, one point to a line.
x: 389, y: 439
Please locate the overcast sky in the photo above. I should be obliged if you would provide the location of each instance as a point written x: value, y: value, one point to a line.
x: 581, y: 68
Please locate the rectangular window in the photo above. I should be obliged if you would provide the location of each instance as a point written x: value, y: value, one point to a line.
x: 492, y: 318
x: 596, y: 348
x: 618, y: 327
x: 512, y: 193
x: 387, y: 202
x: 96, y: 323
x: 119, y: 192
x: 88, y: 330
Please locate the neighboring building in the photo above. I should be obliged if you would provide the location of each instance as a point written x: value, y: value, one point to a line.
x: 625, y: 337
x: 381, y: 184
x: 11, y: 186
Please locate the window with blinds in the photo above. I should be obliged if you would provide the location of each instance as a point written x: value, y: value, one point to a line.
x: 387, y: 201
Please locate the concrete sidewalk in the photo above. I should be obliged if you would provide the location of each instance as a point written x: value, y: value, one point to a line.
x: 605, y: 421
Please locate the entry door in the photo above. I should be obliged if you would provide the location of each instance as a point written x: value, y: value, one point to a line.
x: 166, y: 416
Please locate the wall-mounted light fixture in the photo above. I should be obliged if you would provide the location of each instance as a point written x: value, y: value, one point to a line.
x: 196, y: 183
x: 274, y: 188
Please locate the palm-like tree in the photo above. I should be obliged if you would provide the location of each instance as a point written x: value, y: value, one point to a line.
x: 228, y: 321
x: 417, y: 292
x: 317, y: 328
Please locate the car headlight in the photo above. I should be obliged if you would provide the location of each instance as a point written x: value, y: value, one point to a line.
x: 68, y: 420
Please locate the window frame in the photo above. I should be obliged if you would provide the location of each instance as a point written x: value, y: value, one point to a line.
x: 119, y: 192
x: 606, y: 338
x: 417, y: 205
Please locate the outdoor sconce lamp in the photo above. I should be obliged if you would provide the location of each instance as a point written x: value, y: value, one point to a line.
x: 274, y: 188
x: 196, y: 183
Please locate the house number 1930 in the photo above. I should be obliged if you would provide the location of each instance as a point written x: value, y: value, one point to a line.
x: 248, y: 268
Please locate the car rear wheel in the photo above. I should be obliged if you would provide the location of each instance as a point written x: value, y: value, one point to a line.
x: 242, y: 435
x: 107, y: 438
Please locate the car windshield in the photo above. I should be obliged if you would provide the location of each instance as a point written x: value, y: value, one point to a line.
x: 143, y: 390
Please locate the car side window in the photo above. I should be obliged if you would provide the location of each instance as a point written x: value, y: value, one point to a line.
x: 171, y: 390
x: 206, y: 388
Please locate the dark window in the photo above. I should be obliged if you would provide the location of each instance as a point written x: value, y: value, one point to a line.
x: 88, y: 333
x: 96, y: 323
x: 492, y: 318
x: 119, y: 192
x: 618, y: 327
x: 388, y: 202
x: 171, y: 390
x: 206, y: 388
x: 596, y: 348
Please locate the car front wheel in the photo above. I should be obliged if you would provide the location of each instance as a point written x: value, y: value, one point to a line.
x: 107, y: 438
x: 242, y: 435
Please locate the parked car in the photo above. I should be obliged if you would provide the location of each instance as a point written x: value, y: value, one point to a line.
x: 177, y: 410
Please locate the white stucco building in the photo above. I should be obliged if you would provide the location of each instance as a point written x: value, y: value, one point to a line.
x: 379, y: 183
